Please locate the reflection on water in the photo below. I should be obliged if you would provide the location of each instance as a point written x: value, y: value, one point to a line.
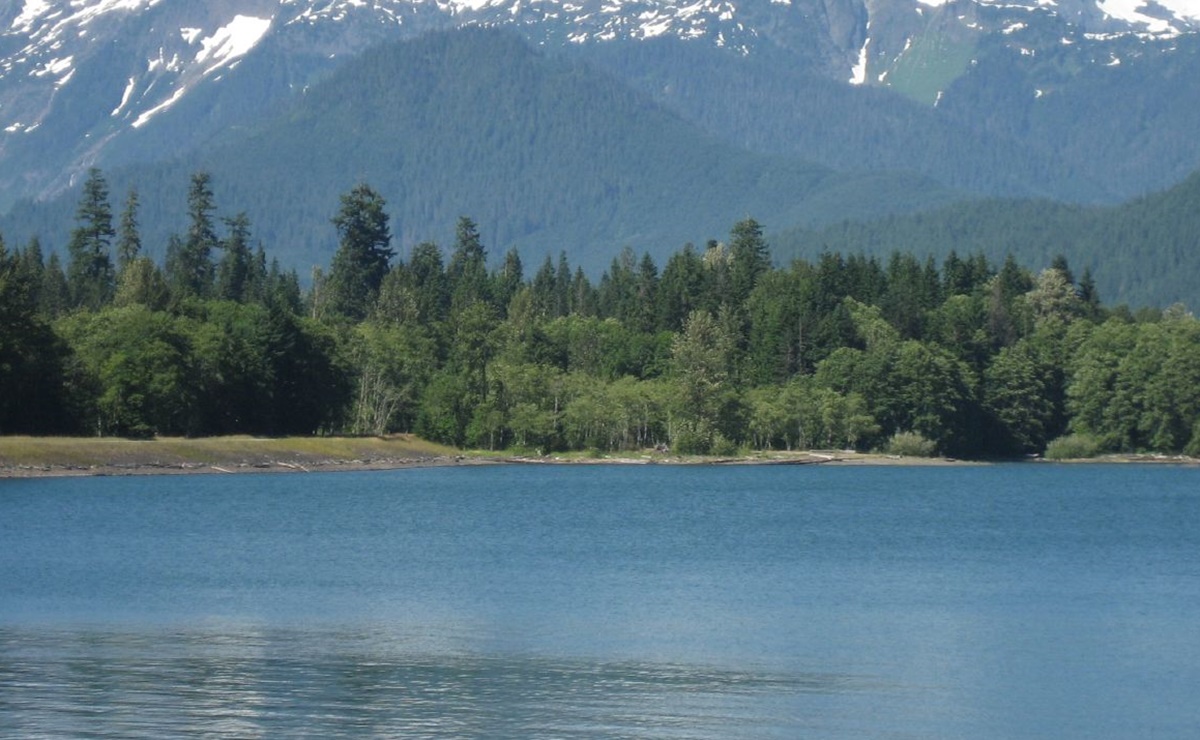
x: 249, y: 682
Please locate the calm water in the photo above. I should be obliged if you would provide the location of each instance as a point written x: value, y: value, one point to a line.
x: 605, y: 602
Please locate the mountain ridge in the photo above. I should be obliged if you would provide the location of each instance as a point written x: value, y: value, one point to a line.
x: 87, y: 82
x: 543, y: 152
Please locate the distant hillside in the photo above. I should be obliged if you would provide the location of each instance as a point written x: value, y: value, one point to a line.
x: 1144, y: 253
x: 544, y: 153
x: 766, y: 104
x: 1058, y: 124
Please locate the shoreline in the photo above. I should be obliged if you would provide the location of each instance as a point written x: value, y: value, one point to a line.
x: 57, y: 457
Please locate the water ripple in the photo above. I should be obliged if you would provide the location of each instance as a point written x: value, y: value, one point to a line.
x: 90, y: 683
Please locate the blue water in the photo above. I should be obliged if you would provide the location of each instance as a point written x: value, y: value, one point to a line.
x: 605, y: 602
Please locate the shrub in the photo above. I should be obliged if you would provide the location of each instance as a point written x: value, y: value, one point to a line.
x: 1072, y: 447
x: 722, y: 446
x: 910, y: 444
x: 691, y: 442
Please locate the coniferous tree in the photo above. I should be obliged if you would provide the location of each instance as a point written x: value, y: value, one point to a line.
x: 562, y: 286
x: 31, y: 266
x: 90, y: 271
x: 508, y: 279
x: 467, y: 271
x: 543, y: 291
x: 363, y: 255
x: 428, y: 276
x: 680, y: 287
x: 31, y: 357
x: 583, y: 295
x: 749, y: 257
x: 55, y: 294
x: 233, y: 273
x: 142, y: 283
x: 129, y: 240
x: 644, y: 318
x: 189, y: 262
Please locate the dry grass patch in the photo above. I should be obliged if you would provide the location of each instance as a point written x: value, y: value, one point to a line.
x: 89, y: 452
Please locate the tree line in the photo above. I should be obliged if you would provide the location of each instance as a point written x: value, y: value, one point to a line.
x: 718, y: 350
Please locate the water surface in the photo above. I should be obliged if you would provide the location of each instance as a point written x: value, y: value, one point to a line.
x: 647, y: 602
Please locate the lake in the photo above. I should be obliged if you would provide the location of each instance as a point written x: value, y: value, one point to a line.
x: 1023, y: 600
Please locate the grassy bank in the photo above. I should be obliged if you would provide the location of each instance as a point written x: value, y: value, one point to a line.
x: 84, y: 455
x: 40, y: 456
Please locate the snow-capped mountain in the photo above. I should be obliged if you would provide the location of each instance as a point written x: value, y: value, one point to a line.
x: 84, y: 82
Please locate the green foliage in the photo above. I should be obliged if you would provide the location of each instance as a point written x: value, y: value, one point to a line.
x: 845, y: 352
x: 363, y: 254
x: 90, y: 271
x: 189, y: 265
x: 1141, y: 252
x: 32, y: 356
x: 132, y: 372
x: 910, y: 444
x: 1073, y: 447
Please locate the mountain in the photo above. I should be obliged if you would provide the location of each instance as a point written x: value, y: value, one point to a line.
x: 1007, y: 96
x: 1102, y: 135
x: 1142, y: 253
x: 641, y: 122
x: 544, y: 153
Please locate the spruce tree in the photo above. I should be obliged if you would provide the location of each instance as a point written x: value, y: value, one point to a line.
x: 749, y: 257
x: 467, y: 271
x: 189, y: 262
x: 90, y: 271
x: 129, y: 240
x: 233, y: 274
x: 363, y: 254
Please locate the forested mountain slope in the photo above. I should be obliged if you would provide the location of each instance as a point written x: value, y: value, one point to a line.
x: 544, y: 153
x: 1054, y: 124
x: 1145, y: 252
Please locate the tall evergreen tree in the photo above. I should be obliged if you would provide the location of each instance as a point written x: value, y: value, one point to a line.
x: 129, y: 239
x: 233, y: 273
x: 428, y: 276
x: 363, y: 255
x: 467, y: 271
x: 55, y: 294
x: 680, y: 288
x: 90, y: 271
x: 189, y: 262
x: 508, y: 279
x: 543, y: 291
x: 749, y: 257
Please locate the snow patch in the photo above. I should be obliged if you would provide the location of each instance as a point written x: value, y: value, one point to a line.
x: 190, y: 35
x: 654, y: 26
x: 129, y: 88
x: 1128, y: 11
x: 858, y: 75
x: 461, y: 5
x: 233, y: 40
x: 171, y: 65
x: 932, y: 3
x: 56, y: 67
x: 30, y: 12
x: 145, y: 117
x: 1186, y: 9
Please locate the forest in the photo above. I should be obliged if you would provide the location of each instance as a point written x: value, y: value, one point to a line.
x: 716, y: 351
